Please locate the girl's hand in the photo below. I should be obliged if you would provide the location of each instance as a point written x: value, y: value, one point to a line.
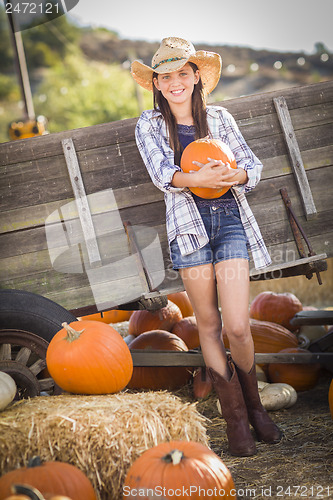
x: 215, y: 174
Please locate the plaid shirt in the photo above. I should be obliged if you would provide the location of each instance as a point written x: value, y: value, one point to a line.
x: 183, y: 220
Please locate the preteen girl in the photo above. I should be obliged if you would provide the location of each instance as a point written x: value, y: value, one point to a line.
x: 208, y: 238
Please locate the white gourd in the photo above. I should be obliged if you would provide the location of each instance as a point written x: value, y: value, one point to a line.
x: 7, y: 390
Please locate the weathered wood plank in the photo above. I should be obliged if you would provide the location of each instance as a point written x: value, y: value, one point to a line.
x: 195, y: 358
x: 295, y: 157
x: 82, y: 205
x: 35, y: 215
x: 116, y: 156
x: 116, y: 177
x: 123, y: 131
x: 265, y: 202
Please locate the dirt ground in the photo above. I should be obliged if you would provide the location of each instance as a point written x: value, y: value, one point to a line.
x: 300, y: 466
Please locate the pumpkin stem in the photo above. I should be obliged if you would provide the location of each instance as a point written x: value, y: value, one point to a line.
x: 72, y: 334
x: 174, y: 457
x: 29, y: 491
x: 34, y: 462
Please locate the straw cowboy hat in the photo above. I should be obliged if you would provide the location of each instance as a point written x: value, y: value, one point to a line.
x: 172, y: 55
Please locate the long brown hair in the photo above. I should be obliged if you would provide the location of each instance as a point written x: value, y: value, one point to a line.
x: 198, y: 113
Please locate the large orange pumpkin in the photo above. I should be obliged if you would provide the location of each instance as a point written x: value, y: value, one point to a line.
x: 330, y: 397
x: 89, y: 357
x: 267, y: 336
x: 158, y: 377
x: 301, y: 377
x: 187, y: 330
x: 162, y: 319
x: 276, y: 307
x: 58, y: 478
x: 112, y: 316
x: 178, y: 467
x: 183, y: 302
x: 200, y: 150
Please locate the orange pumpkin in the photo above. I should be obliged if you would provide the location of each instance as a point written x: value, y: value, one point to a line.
x: 187, y: 330
x: 162, y: 319
x: 183, y: 302
x: 89, y: 357
x: 180, y: 466
x: 57, y: 478
x: 301, y: 377
x: 200, y: 150
x: 267, y: 336
x: 112, y: 316
x: 330, y: 398
x: 276, y: 307
x: 158, y: 377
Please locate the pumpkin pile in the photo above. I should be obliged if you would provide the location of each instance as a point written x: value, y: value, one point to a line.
x: 171, y: 328
x: 272, y: 331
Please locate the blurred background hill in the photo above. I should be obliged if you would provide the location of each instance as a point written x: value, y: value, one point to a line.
x: 80, y: 76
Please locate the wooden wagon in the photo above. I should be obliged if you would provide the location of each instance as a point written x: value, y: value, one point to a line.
x: 83, y: 227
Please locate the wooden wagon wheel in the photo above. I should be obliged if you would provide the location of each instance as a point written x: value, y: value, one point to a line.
x: 23, y: 357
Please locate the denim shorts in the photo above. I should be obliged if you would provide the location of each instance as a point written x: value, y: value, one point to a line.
x: 227, y: 238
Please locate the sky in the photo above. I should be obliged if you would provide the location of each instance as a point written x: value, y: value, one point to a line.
x: 282, y: 25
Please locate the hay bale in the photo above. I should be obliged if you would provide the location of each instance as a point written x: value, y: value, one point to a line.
x: 101, y: 435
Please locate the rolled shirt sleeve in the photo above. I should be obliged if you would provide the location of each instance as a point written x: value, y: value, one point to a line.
x: 157, y: 156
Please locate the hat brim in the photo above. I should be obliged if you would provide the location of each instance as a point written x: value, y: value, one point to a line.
x: 209, y: 65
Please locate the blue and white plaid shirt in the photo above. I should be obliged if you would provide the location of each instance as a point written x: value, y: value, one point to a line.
x: 183, y: 220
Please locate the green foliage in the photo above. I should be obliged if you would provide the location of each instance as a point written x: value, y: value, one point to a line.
x: 78, y: 94
x: 6, y: 49
x: 9, y: 89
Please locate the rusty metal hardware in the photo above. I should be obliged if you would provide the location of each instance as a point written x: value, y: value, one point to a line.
x: 299, y: 233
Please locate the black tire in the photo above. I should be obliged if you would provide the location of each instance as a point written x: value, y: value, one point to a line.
x: 20, y: 310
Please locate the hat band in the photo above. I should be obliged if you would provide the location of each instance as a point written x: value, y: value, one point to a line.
x: 171, y: 59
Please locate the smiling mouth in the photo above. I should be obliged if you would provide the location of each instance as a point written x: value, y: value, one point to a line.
x: 177, y: 92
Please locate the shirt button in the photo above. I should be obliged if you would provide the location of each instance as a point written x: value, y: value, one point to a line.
x: 214, y: 208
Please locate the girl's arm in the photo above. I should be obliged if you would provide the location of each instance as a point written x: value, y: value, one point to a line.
x: 160, y: 167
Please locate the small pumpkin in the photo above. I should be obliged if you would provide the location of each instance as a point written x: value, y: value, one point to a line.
x: 187, y: 330
x: 277, y: 308
x: 202, y: 384
x: 330, y: 398
x: 200, y: 150
x: 50, y: 478
x: 7, y: 390
x: 180, y: 466
x: 183, y: 302
x: 162, y: 319
x: 159, y: 377
x: 112, y: 316
x: 89, y: 357
x: 301, y: 376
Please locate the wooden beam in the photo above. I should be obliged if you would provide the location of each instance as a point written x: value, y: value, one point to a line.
x: 295, y: 156
x: 81, y: 199
x: 193, y: 358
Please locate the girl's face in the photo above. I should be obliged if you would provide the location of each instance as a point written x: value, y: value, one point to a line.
x: 177, y: 87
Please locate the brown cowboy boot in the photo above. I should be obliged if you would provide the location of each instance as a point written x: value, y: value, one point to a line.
x: 241, y: 442
x: 266, y: 429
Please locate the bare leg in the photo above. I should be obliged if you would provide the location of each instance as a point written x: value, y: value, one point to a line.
x: 233, y: 286
x: 200, y: 285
